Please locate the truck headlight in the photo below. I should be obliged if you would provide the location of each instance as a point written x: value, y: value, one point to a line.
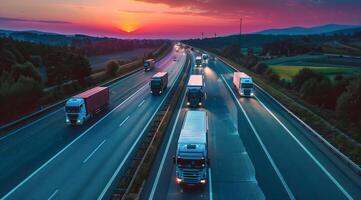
x: 178, y: 180
x: 200, y: 103
x: 78, y: 121
x: 252, y: 93
x: 67, y: 120
x: 203, y: 181
x: 188, y: 103
x: 160, y: 92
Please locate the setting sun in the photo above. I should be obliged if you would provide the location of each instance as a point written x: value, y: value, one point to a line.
x: 128, y: 26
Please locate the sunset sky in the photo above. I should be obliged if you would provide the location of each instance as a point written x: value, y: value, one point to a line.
x: 171, y: 18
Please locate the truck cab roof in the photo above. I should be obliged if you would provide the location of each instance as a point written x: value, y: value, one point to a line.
x: 74, y: 102
x: 191, y: 150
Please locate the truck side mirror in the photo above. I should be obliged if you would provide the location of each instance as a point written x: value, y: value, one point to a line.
x: 173, y: 159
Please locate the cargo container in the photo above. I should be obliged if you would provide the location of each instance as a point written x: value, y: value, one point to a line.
x: 159, y: 83
x: 191, y: 158
x: 82, y: 107
x: 195, y: 91
x: 243, y: 83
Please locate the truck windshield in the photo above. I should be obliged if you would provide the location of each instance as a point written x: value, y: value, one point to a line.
x: 191, y: 163
x: 194, y: 93
x: 247, y: 85
x: 155, y: 84
x: 72, y: 109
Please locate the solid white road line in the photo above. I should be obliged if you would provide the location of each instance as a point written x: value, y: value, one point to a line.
x: 160, y: 169
x: 106, y: 188
x: 289, y: 192
x: 93, y: 152
x: 67, y: 146
x: 141, y: 103
x: 307, y: 152
x: 210, y: 184
x: 53, y: 195
x: 121, y: 124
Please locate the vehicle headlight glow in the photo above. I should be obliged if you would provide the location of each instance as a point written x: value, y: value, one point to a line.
x: 78, y: 121
x: 188, y: 103
x: 203, y: 181
x: 67, y: 120
x: 178, y: 180
x: 200, y: 103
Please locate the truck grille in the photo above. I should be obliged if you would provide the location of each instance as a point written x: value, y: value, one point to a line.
x: 73, y: 118
x: 247, y: 92
x: 191, y: 176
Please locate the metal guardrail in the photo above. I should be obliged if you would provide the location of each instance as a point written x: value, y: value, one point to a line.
x: 132, y: 181
x: 31, y: 116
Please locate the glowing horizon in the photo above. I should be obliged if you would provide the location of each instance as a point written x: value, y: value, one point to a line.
x: 172, y: 19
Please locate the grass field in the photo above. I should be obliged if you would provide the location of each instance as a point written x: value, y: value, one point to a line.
x: 288, y: 71
x: 330, y: 66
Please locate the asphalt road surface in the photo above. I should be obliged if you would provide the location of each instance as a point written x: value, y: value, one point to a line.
x: 47, y: 159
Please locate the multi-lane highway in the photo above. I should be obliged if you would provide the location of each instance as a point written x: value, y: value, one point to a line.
x: 257, y: 151
x: 48, y: 160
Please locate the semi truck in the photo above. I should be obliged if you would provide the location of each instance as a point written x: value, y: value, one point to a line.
x: 84, y: 106
x: 195, y: 91
x: 159, y: 83
x: 191, y: 158
x: 204, y: 58
x: 149, y: 64
x: 243, y: 83
x: 198, y: 61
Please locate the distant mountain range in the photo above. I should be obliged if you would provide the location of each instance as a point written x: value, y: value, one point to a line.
x: 51, y: 38
x: 324, y: 29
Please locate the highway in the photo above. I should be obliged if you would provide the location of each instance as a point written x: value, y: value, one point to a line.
x: 48, y: 160
x: 257, y: 151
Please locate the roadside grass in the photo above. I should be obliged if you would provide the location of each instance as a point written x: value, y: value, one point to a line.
x: 287, y: 72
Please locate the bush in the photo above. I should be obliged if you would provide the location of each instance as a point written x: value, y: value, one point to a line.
x: 271, y: 76
x: 112, y: 68
x: 304, y: 75
x: 319, y: 92
x: 260, y: 68
x: 349, y: 103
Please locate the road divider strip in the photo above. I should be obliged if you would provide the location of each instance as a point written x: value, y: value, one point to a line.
x: 139, y: 158
x: 155, y: 184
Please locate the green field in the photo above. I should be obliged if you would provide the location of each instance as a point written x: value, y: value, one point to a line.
x: 287, y: 67
x: 288, y: 71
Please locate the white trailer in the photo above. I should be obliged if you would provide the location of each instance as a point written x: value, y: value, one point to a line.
x: 243, y: 84
x: 195, y: 91
x: 192, y: 150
